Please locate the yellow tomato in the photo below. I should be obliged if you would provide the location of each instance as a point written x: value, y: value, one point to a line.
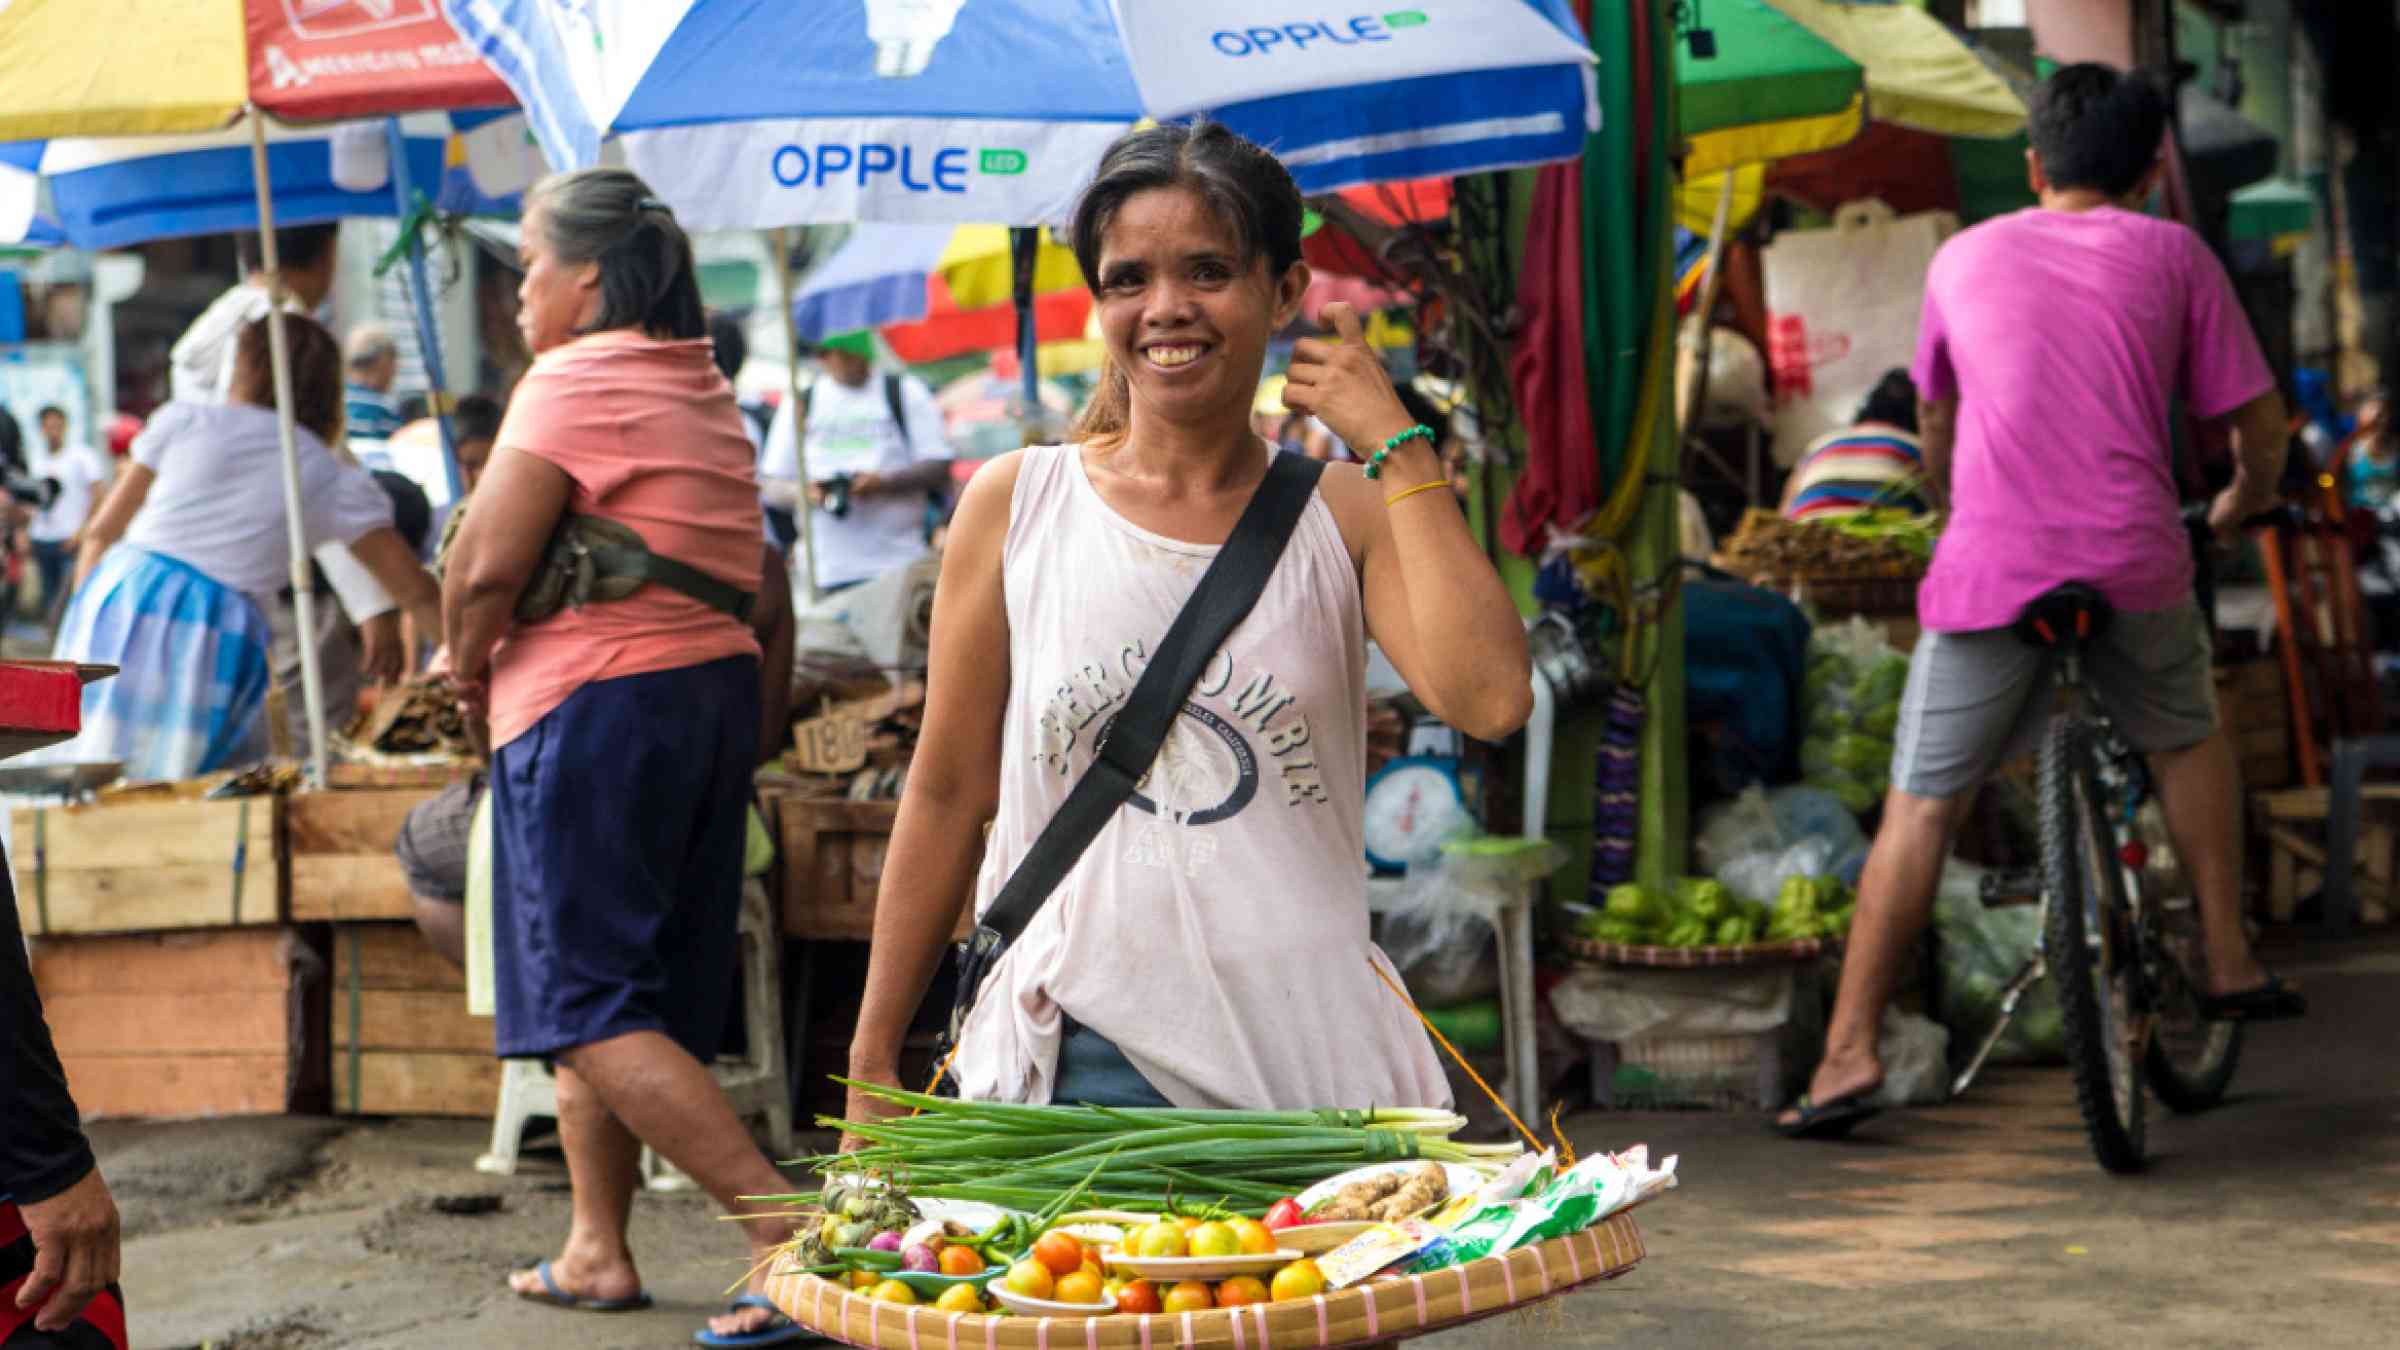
x: 1163, y: 1239
x: 1255, y: 1237
x: 1081, y: 1287
x: 864, y: 1279
x: 892, y: 1291
x: 1300, y: 1279
x: 1214, y: 1239
x: 959, y: 1298
x: 1031, y: 1278
x: 1189, y: 1296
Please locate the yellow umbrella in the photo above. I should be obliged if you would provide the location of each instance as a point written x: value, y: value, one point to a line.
x: 1918, y: 75
x: 65, y: 70
x: 975, y: 266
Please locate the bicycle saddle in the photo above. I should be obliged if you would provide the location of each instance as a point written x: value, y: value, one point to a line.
x: 2073, y: 613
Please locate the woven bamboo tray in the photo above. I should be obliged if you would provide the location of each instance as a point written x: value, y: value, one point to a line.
x: 1835, y: 594
x: 1693, y: 958
x: 1379, y: 1310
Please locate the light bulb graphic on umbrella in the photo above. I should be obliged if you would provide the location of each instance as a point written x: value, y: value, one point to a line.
x: 905, y: 32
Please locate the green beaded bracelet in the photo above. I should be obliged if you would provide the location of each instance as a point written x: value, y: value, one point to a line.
x: 1418, y: 432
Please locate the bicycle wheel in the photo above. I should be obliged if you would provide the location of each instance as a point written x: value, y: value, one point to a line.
x: 2191, y: 1059
x: 2089, y: 949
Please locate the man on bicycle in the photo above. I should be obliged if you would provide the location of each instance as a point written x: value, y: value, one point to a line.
x: 2052, y: 342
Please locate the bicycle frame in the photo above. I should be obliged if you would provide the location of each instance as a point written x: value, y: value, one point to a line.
x: 2127, y: 780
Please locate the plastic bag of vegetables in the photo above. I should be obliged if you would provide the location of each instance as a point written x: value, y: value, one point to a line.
x: 1981, y: 949
x: 1850, y: 704
x: 1761, y: 839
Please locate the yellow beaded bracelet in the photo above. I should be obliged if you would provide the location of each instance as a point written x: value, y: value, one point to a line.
x: 1398, y: 497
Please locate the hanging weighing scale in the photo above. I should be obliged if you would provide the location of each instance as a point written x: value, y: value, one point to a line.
x: 1413, y: 805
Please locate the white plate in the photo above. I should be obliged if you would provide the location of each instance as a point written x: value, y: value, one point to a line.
x: 974, y: 1214
x: 1042, y: 1307
x: 1463, y: 1180
x: 1170, y: 1269
x: 1316, y: 1239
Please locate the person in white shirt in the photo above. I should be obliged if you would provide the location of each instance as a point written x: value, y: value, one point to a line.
x: 79, y: 472
x: 191, y: 534
x: 876, y: 452
x: 358, y: 640
x: 201, y: 362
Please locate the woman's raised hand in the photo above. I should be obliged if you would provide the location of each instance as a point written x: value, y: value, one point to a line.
x: 1342, y: 383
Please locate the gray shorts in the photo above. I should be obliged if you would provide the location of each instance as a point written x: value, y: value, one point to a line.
x: 433, y: 841
x: 1976, y: 700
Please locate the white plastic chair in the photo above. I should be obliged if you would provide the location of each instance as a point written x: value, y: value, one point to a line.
x: 757, y: 1084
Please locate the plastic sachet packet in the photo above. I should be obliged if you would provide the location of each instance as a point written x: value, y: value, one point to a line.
x: 1583, y: 1195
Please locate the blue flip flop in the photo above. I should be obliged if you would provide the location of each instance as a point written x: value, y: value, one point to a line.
x: 779, y: 1330
x: 554, y: 1296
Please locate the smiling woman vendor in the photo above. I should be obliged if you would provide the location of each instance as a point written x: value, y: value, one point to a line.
x: 1167, y: 966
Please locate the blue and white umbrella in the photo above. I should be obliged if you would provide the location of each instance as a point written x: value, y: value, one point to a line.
x: 750, y: 115
x: 109, y: 192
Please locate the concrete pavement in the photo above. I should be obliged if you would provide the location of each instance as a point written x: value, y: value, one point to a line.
x: 2274, y: 1220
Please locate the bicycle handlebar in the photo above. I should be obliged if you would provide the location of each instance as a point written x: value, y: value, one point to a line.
x: 2283, y: 514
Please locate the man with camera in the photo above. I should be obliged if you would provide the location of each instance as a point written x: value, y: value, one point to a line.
x: 877, y: 457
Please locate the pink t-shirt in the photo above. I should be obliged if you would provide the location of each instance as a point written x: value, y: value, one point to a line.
x: 648, y: 431
x: 2065, y: 335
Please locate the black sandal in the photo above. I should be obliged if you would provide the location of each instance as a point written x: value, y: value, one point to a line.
x: 2273, y: 1001
x: 1828, y: 1120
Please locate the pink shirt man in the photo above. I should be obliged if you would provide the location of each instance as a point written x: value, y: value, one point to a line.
x: 2064, y: 335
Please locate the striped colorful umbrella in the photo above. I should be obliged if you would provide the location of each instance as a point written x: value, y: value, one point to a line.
x: 748, y: 115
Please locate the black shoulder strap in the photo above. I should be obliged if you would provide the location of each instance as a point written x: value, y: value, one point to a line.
x: 891, y: 400
x: 1227, y: 591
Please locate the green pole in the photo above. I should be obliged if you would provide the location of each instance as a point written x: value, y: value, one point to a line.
x: 1655, y: 549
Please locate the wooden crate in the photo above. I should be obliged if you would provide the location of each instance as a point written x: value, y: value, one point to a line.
x: 2252, y: 706
x: 403, y: 1041
x: 149, y: 866
x: 186, y: 1024
x: 833, y: 852
x: 343, y: 869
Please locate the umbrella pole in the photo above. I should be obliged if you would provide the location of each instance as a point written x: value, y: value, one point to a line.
x: 1696, y: 333
x: 801, y: 509
x: 312, y: 682
x: 429, y: 336
x: 1024, y: 251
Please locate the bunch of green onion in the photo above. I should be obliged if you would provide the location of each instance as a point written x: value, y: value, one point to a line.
x: 1150, y: 1160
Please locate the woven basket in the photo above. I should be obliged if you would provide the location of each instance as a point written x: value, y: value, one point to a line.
x: 1693, y: 958
x: 1380, y: 1310
x: 1839, y: 595
x: 1710, y: 1073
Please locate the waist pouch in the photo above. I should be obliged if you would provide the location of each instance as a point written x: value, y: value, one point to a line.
x: 595, y: 560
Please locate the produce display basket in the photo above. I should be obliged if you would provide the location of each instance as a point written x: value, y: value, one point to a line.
x: 1835, y: 593
x: 1385, y: 1309
x: 1708, y: 1073
x: 1694, y: 958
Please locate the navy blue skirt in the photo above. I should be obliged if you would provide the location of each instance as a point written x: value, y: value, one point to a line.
x: 618, y: 823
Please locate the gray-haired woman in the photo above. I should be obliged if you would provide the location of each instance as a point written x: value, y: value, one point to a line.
x: 623, y: 730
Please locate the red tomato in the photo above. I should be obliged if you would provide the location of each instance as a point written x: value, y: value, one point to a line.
x: 1060, y: 1252
x: 1285, y: 1213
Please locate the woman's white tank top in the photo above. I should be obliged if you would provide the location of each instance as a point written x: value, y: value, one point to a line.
x: 1216, y: 930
